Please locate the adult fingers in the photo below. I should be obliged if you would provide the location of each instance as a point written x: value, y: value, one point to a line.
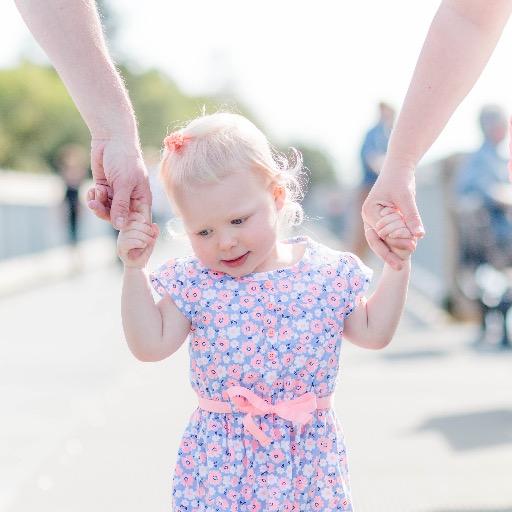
x: 412, y: 219
x: 379, y: 247
x: 120, y: 208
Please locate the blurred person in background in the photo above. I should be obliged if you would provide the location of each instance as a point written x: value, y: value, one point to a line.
x: 461, y: 38
x: 72, y: 165
x: 71, y: 35
x: 373, y: 151
x: 483, y: 177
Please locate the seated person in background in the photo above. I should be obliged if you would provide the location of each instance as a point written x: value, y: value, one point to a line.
x: 483, y: 176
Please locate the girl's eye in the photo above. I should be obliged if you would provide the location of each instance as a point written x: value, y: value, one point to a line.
x: 237, y: 221
x: 204, y: 232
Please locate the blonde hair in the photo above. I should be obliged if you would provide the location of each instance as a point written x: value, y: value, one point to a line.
x: 213, y: 146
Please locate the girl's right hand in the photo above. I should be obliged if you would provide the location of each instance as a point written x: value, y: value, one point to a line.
x: 136, y: 234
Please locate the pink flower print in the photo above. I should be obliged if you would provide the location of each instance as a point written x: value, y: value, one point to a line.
x: 340, y: 284
x: 285, y: 333
x: 288, y: 384
x: 308, y: 301
x: 214, y: 477
x: 188, y: 462
x: 257, y: 313
x: 320, y: 374
x: 317, y: 326
x: 293, y: 448
x: 330, y: 346
x: 211, y: 371
x: 324, y: 444
x: 257, y: 361
x: 235, y: 371
x: 269, y: 320
x: 248, y: 328
x: 271, y: 333
x: 254, y: 504
x: 200, y: 344
x: 272, y: 355
x: 306, y: 338
x: 262, y: 480
x: 300, y: 482
x: 222, y: 344
x: 288, y: 359
x: 262, y: 389
x: 218, y: 306
x: 300, y: 387
x: 312, y: 364
x: 213, y: 449
x: 278, y: 383
x: 221, y: 503
x: 206, y: 318
x: 318, y: 503
x: 314, y: 289
x: 225, y: 295
x: 345, y: 502
x: 294, y: 310
x: 355, y: 282
x: 284, y: 286
x: 249, y: 347
x: 330, y: 481
x: 216, y: 275
x: 328, y: 271
x: 283, y: 484
x: 221, y: 320
x: 247, y: 302
x: 331, y: 324
x: 302, y: 373
x: 202, y: 458
x: 268, y: 285
x: 212, y: 426
x: 250, y: 377
x: 332, y: 361
x: 216, y: 359
x: 322, y: 389
x: 333, y: 300
x: 187, y: 480
x: 270, y: 306
x: 192, y: 294
x: 187, y: 445
x: 191, y: 272
x: 252, y: 288
x: 276, y: 456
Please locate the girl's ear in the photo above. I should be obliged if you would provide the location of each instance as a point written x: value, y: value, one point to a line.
x: 279, y: 193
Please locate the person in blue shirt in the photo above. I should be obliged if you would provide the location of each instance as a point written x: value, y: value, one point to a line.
x: 483, y: 176
x: 372, y: 154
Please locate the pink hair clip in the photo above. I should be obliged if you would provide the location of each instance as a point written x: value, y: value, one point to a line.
x: 175, y: 141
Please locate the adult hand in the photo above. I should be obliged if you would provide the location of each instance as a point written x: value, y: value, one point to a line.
x: 392, y: 190
x: 120, y: 177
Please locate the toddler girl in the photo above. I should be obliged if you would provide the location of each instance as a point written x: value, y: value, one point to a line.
x: 264, y: 317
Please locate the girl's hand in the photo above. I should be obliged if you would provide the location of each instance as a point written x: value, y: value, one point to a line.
x: 136, y: 234
x: 393, y: 230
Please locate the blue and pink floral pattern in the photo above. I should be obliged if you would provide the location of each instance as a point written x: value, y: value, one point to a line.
x: 279, y: 334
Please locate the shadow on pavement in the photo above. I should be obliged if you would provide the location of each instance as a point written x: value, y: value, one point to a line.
x: 474, y: 430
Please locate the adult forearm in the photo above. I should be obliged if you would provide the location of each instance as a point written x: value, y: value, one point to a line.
x: 71, y: 35
x: 459, y: 43
x: 142, y: 321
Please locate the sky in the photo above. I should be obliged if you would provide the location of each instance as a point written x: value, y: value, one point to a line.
x: 310, y: 71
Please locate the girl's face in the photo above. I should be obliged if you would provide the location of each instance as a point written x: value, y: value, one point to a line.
x: 232, y: 225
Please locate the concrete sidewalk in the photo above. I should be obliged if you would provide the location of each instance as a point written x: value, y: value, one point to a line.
x: 86, y: 427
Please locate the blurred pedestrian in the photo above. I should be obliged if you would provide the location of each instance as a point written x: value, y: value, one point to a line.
x: 373, y: 151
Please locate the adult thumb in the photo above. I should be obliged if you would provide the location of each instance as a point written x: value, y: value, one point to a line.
x: 412, y: 217
x: 120, y: 208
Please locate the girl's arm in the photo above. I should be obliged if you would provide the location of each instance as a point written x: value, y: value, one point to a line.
x: 373, y: 323
x: 152, y: 331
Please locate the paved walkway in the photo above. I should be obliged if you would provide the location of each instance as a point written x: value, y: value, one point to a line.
x: 86, y: 427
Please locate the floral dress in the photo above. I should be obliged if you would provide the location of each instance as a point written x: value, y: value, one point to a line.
x: 277, y: 335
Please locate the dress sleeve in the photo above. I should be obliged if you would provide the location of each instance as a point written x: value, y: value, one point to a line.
x: 172, y: 279
x: 357, y: 277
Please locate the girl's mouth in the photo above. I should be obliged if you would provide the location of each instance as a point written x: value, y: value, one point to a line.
x: 237, y: 261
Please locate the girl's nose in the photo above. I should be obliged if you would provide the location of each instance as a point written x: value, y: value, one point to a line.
x: 227, y: 242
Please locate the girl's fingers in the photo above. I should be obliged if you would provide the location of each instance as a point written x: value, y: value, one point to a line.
x: 401, y: 233
x: 387, y: 219
x: 134, y: 227
x: 406, y: 244
x: 389, y: 228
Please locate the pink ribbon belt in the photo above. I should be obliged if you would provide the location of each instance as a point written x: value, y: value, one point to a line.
x: 297, y: 410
